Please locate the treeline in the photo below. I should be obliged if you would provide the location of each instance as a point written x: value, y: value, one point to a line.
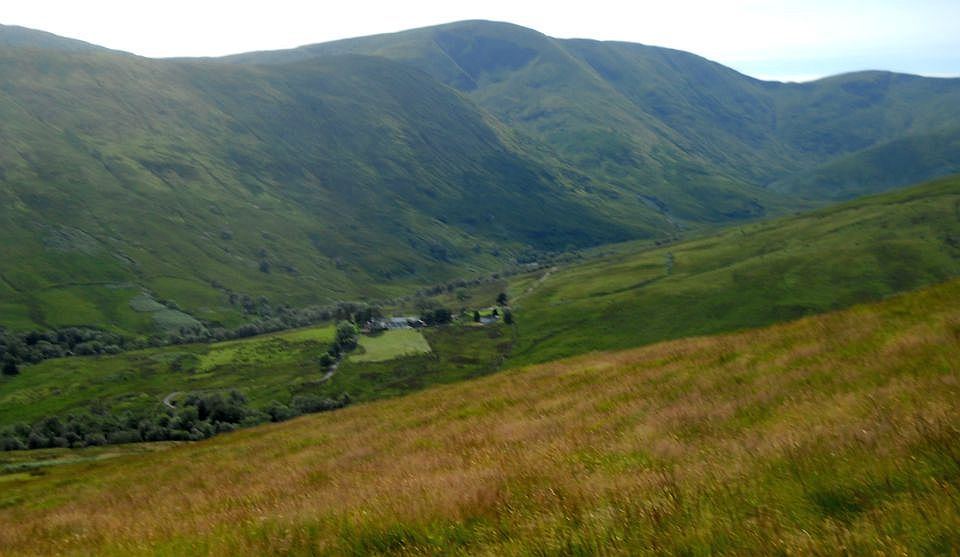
x: 19, y: 348
x: 267, y: 318
x: 199, y: 416
x: 35, y: 346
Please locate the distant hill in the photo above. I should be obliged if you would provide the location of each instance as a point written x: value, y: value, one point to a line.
x: 14, y: 36
x: 885, y: 166
x: 694, y: 135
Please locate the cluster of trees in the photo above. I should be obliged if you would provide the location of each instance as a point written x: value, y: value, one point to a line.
x: 199, y: 416
x: 271, y: 319
x: 436, y: 316
x: 345, y: 340
x: 35, y: 346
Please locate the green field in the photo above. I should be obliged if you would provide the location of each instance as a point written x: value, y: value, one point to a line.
x: 833, y: 434
x: 456, y: 352
x: 388, y: 345
x: 265, y: 368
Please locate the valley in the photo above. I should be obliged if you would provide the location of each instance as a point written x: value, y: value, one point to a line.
x: 470, y: 289
x: 615, y: 297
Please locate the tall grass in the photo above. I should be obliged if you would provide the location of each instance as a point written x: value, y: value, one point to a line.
x: 834, y: 434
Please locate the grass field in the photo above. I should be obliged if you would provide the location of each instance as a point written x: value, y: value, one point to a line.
x: 388, y: 345
x: 834, y: 434
x: 746, y: 276
x: 264, y: 368
x: 456, y: 353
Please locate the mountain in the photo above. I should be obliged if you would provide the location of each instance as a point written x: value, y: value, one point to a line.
x: 346, y: 177
x: 369, y: 167
x: 695, y: 136
x: 14, y: 36
x: 836, y: 431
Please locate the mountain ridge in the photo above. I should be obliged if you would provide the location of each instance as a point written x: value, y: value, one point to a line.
x: 712, y: 117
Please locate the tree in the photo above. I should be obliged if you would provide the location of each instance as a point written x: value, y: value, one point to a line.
x: 502, y: 299
x: 346, y: 337
x: 10, y: 367
x: 325, y: 360
x: 438, y: 316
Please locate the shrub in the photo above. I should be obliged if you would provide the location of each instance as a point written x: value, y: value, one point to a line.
x: 124, y: 436
x: 10, y: 367
x: 279, y: 412
x: 9, y: 442
x: 346, y: 337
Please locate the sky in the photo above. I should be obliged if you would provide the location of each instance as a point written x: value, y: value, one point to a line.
x: 787, y: 40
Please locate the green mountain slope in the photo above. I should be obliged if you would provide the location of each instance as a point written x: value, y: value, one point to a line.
x: 697, y: 137
x: 837, y: 433
x: 886, y: 166
x: 745, y: 276
x: 541, y: 87
x: 350, y: 177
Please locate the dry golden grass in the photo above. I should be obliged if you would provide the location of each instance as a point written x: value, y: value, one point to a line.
x: 838, y: 433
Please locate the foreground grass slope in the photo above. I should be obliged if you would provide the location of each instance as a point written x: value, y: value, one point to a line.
x: 747, y: 276
x: 835, y: 433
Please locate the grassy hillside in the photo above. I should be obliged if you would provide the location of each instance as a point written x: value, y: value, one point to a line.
x: 836, y: 433
x: 746, y: 276
x: 353, y: 177
x: 669, y: 128
x: 887, y: 166
x: 14, y: 36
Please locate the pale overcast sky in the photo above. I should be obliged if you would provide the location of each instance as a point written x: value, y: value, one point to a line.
x: 778, y: 39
